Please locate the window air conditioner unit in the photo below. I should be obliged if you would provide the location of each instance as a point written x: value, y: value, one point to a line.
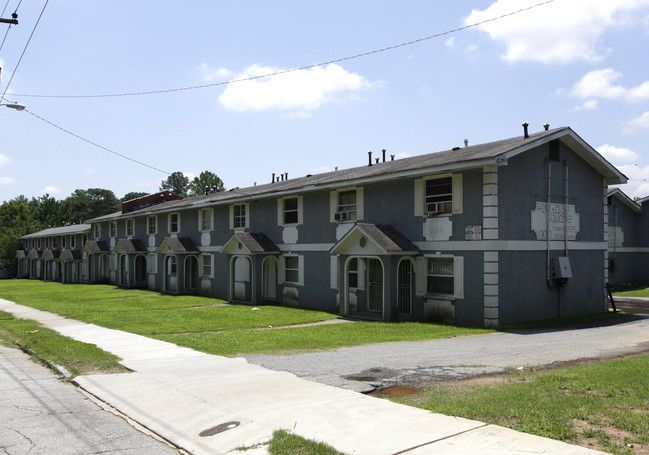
x: 434, y: 208
x: 341, y: 216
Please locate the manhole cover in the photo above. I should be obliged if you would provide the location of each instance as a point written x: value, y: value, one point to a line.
x: 219, y: 428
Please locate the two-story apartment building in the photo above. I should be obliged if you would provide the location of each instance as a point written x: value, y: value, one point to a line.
x: 512, y: 230
x: 54, y: 254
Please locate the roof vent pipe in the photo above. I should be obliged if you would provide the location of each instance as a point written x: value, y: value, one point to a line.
x: 525, y: 133
x: 287, y: 176
x: 383, y: 154
x: 369, y: 154
x: 273, y: 178
x: 466, y: 142
x: 392, y: 157
x: 546, y: 126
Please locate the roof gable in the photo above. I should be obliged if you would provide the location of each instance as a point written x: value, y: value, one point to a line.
x: 365, y: 239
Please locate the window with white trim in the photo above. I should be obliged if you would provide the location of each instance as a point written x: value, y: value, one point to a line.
x: 239, y: 216
x: 174, y: 223
x: 205, y: 217
x: 112, y: 228
x: 352, y: 273
x: 73, y: 241
x: 63, y: 241
x: 130, y: 227
x: 152, y: 225
x: 84, y: 238
x: 346, y: 205
x: 206, y: 265
x: 291, y: 210
x: 291, y: 269
x: 440, y: 195
x: 442, y: 277
x: 96, y: 230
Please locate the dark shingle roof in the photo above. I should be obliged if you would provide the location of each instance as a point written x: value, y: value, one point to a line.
x: 466, y: 157
x: 180, y: 245
x: 387, y: 237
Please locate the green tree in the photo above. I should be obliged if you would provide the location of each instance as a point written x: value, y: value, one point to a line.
x: 133, y: 195
x: 206, y: 183
x: 83, y: 205
x: 48, y: 210
x: 17, y: 218
x: 176, y: 183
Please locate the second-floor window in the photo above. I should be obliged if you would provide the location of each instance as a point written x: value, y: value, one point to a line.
x: 347, y: 204
x: 205, y: 219
x: 113, y: 229
x: 130, y: 227
x: 73, y: 241
x: 63, y: 242
x: 96, y: 231
x: 439, y: 196
x: 174, y: 223
x: 291, y: 210
x: 152, y: 225
x: 239, y: 216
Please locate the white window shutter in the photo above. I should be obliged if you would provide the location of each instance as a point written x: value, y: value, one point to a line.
x: 360, y: 204
x: 420, y: 276
x: 231, y: 217
x: 458, y: 276
x: 457, y: 193
x: 333, y: 205
x: 281, y: 270
x: 280, y: 212
x: 419, y: 197
x: 300, y: 210
x: 300, y: 264
x: 333, y: 271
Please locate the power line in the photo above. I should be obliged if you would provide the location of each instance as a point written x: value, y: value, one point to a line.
x: 25, y: 49
x: 277, y: 73
x: 95, y: 144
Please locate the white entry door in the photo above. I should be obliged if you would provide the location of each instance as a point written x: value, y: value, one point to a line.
x: 241, y: 278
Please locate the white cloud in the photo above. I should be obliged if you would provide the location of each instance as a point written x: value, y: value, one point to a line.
x: 588, y: 105
x: 561, y: 31
x: 638, y: 123
x: 51, y: 190
x: 214, y: 74
x: 638, y: 184
x: 601, y: 84
x: 450, y: 42
x: 7, y: 181
x: 618, y: 154
x: 4, y: 160
x: 298, y: 91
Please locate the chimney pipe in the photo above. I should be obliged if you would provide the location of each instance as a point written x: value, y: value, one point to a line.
x: 383, y: 154
x: 525, y: 133
x: 546, y: 126
x: 391, y: 157
x: 377, y: 160
x: 287, y: 176
x: 273, y: 178
x: 466, y: 142
x: 370, y: 157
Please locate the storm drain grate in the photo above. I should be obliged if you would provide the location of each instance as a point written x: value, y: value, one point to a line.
x: 219, y: 428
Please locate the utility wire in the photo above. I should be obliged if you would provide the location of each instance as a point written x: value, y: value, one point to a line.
x: 95, y: 144
x: 277, y: 73
x: 25, y: 49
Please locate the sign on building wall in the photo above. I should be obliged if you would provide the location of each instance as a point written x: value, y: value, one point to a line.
x: 559, y: 218
x: 473, y: 232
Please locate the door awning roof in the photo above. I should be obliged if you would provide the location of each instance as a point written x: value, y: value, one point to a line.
x: 374, y: 239
x: 249, y: 243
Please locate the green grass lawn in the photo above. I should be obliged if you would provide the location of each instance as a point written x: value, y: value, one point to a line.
x: 642, y: 292
x: 603, y: 405
x: 206, y: 324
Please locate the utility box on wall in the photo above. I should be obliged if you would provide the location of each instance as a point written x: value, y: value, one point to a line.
x: 561, y: 268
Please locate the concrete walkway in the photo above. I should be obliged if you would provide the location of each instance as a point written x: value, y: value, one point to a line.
x: 179, y: 393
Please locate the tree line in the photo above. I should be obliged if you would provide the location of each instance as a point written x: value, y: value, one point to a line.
x: 21, y: 216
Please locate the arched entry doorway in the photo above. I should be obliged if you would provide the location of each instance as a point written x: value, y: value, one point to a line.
x: 270, y: 279
x: 140, y: 270
x: 191, y: 275
x: 241, y: 283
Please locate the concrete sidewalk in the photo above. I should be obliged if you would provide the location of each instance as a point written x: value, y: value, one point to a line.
x: 179, y: 393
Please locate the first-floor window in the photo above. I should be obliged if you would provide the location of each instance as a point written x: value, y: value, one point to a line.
x: 291, y: 269
x: 207, y: 265
x: 440, y: 276
x: 171, y: 265
x: 353, y: 273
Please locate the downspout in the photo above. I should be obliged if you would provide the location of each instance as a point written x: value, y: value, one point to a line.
x: 547, y: 228
x: 565, y: 221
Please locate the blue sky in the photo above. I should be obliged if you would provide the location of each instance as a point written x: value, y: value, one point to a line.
x: 577, y: 63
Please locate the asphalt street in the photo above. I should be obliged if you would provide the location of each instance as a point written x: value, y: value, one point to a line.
x: 366, y: 368
x: 42, y: 415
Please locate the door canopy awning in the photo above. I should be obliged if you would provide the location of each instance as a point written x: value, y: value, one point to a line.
x: 130, y: 246
x: 177, y: 245
x: 249, y: 243
x: 365, y: 239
